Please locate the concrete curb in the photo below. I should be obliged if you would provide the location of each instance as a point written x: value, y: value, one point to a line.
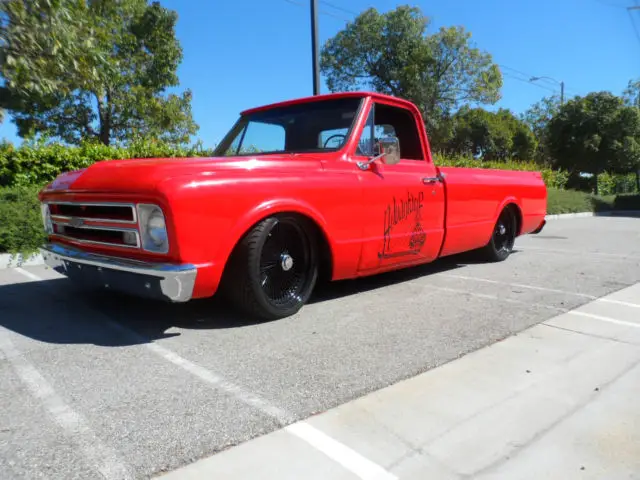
x: 9, y: 260
x: 616, y: 213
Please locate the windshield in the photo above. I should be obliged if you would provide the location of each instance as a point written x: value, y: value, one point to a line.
x: 321, y: 126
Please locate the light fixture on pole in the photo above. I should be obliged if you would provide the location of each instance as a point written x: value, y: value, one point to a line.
x: 533, y: 79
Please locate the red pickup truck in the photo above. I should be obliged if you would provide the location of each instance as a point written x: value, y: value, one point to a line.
x: 341, y: 185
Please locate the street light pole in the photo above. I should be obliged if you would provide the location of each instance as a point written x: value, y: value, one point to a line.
x: 314, y: 47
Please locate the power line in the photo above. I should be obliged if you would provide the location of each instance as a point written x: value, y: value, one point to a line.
x: 530, y: 83
x: 321, y: 12
x: 338, y: 7
x: 528, y: 76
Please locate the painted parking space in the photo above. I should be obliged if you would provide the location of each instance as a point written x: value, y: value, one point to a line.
x: 151, y: 387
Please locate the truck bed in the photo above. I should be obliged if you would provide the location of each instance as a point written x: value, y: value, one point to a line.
x: 475, y: 197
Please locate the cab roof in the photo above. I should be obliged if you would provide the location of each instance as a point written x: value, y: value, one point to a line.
x: 331, y: 96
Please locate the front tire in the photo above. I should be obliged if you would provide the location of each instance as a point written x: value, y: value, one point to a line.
x: 503, y: 237
x: 274, y: 269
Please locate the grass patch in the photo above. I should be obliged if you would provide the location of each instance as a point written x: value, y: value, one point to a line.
x: 573, y: 201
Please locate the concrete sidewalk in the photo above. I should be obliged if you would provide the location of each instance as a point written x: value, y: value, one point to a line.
x: 560, y: 400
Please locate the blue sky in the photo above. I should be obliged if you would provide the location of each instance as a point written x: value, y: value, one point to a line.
x: 244, y: 53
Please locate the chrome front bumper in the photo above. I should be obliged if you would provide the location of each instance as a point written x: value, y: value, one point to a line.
x: 163, y: 281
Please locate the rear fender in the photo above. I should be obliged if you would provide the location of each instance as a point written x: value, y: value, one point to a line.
x: 503, y: 204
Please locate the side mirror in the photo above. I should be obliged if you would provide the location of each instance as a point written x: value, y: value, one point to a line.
x: 388, y: 152
x: 390, y: 149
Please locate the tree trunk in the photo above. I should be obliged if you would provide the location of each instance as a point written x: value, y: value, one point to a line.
x: 104, y: 115
x: 105, y: 131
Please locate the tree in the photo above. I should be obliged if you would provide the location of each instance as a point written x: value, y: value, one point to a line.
x: 391, y: 53
x: 537, y: 117
x: 595, y: 134
x: 491, y: 135
x: 92, y: 69
x: 631, y: 94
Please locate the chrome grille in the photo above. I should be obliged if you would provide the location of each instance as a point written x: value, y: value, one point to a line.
x: 111, y: 224
x: 101, y: 212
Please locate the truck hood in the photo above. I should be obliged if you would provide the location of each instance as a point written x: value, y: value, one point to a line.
x: 138, y: 175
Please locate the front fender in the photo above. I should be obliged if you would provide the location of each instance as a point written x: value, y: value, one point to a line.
x: 264, y: 210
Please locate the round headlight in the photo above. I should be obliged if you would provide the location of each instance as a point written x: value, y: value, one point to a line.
x: 157, y: 228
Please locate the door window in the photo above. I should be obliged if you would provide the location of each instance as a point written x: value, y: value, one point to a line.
x: 385, y: 120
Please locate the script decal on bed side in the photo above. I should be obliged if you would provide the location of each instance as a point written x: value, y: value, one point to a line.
x: 398, y: 213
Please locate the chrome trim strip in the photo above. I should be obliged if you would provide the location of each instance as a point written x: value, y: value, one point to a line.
x: 96, y: 242
x: 176, y: 280
x: 132, y: 206
x: 101, y: 220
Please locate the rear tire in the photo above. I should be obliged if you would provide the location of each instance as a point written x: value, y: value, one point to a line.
x: 274, y: 268
x: 503, y: 237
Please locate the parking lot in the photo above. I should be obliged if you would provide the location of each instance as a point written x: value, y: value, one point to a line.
x: 96, y: 385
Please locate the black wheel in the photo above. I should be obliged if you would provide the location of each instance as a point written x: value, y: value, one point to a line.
x: 274, y: 269
x: 503, y: 237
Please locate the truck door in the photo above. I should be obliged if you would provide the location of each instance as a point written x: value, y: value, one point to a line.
x: 403, y: 204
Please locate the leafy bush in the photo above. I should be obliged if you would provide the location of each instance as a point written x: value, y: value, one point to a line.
x: 552, y: 178
x: 40, y: 163
x: 609, y: 184
x: 21, y: 228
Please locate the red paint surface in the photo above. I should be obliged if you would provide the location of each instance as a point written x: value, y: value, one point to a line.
x: 209, y: 203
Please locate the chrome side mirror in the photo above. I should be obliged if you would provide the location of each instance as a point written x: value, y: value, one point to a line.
x: 390, y: 148
x: 388, y: 151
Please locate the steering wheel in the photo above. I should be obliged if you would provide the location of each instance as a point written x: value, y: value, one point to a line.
x: 334, y: 135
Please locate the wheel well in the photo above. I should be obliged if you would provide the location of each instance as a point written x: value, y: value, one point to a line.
x: 518, y: 213
x: 325, y: 258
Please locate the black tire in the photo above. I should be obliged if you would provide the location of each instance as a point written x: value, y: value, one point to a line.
x: 274, y: 269
x: 503, y: 237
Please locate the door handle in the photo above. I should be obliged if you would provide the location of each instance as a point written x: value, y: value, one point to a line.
x: 430, y: 180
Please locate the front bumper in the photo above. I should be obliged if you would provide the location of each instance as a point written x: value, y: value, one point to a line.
x: 163, y: 281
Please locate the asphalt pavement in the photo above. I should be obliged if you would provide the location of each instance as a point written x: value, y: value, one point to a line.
x: 97, y: 385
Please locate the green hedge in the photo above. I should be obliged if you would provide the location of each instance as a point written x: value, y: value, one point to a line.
x: 39, y: 164
x: 552, y: 178
x: 21, y: 228
x: 24, y: 170
x: 609, y: 184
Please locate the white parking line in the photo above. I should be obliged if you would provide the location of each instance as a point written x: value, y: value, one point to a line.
x: 491, y: 297
x: 605, y: 319
x: 581, y: 253
x: 343, y: 455
x: 27, y: 274
x: 619, y: 302
x: 101, y: 457
x: 517, y: 285
x: 357, y: 464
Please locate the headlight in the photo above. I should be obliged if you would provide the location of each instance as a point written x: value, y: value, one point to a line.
x: 46, y: 218
x: 153, y: 228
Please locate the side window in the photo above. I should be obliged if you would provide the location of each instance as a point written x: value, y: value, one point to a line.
x: 396, y: 122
